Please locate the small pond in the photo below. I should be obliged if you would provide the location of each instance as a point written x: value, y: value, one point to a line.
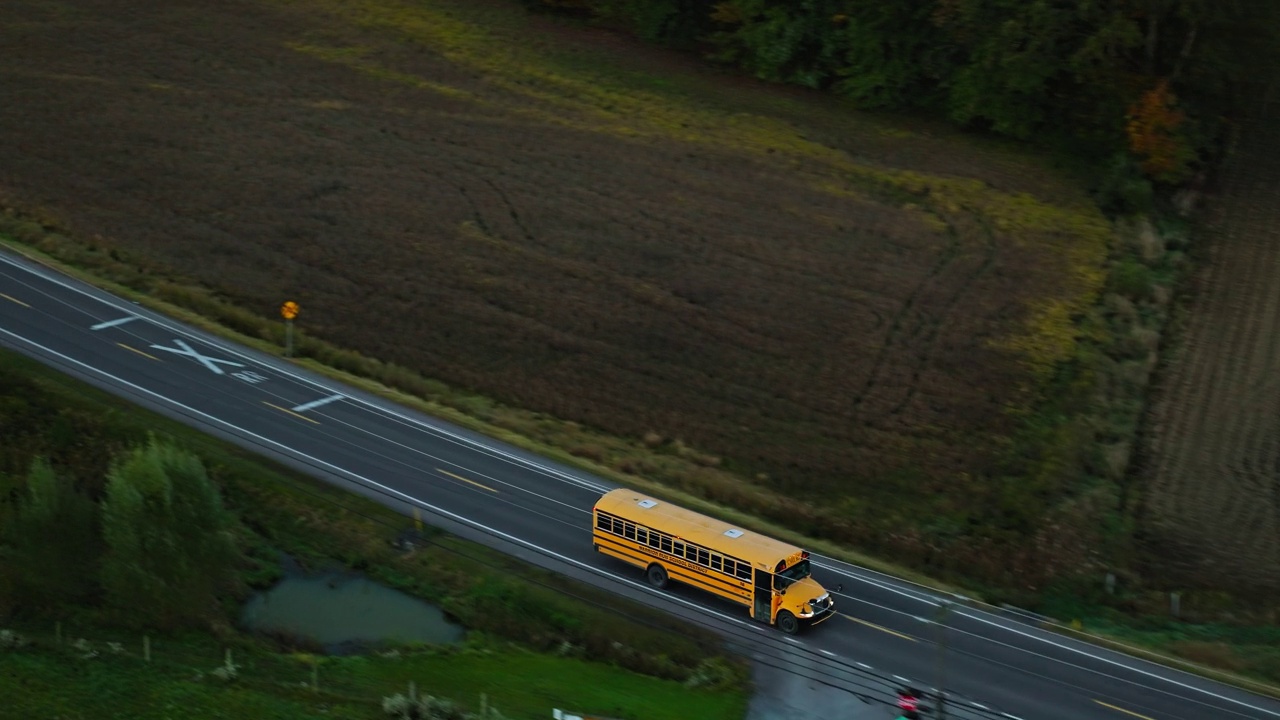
x: 343, y: 612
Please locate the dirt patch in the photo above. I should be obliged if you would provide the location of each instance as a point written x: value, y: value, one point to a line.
x: 838, y: 307
x: 1212, y: 509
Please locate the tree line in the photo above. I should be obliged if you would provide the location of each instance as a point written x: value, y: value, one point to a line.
x: 1153, y: 79
x: 155, y: 550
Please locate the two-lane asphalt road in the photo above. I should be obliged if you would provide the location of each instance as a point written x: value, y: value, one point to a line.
x: 484, y: 490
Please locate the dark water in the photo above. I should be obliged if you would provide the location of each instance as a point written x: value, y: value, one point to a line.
x: 341, y: 611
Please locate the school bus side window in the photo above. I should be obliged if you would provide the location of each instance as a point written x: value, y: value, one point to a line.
x: 666, y: 544
x: 642, y: 535
x: 629, y: 531
x: 654, y: 539
x: 704, y: 557
x: 716, y: 562
x: 678, y: 551
x: 604, y: 522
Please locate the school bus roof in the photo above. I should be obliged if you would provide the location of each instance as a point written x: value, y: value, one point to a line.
x: 695, y: 527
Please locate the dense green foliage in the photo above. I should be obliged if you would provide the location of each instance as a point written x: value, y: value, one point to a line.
x: 160, y: 474
x: 169, y: 548
x: 1019, y: 67
x: 157, y: 548
x: 52, y: 541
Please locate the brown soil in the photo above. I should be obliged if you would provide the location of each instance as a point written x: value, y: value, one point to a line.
x: 1212, y: 511
x: 769, y: 296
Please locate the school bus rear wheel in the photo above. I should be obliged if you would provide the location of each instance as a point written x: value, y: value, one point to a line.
x: 657, y: 576
x: 788, y: 623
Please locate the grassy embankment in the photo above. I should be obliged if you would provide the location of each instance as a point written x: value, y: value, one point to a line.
x: 530, y: 649
x: 1090, y: 349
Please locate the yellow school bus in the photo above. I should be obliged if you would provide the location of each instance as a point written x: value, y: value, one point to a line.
x: 770, y: 577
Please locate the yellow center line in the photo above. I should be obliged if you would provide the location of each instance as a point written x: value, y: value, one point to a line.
x: 14, y: 299
x: 472, y: 482
x: 143, y: 354
x: 881, y: 629
x: 1120, y: 709
x: 287, y: 410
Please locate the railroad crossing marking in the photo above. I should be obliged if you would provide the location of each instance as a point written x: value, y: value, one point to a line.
x: 317, y: 403
x: 209, y: 362
x: 113, y: 323
x: 249, y: 376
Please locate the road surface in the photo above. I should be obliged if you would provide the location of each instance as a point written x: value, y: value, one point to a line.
x: 995, y: 665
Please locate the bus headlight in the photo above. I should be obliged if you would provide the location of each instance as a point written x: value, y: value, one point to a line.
x: 806, y: 612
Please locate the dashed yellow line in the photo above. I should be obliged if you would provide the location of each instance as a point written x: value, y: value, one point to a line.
x: 881, y: 629
x: 11, y: 298
x: 471, y: 482
x: 136, y: 350
x: 1120, y: 709
x: 287, y: 410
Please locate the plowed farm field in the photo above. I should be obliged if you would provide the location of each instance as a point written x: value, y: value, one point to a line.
x: 1212, y: 513
x: 852, y: 310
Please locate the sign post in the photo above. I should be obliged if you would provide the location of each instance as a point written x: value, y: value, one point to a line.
x: 289, y: 311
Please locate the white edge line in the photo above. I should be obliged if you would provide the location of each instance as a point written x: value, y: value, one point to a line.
x: 317, y: 403
x: 828, y: 652
x: 408, y: 498
x: 1062, y: 646
x: 161, y: 320
x: 1127, y: 667
x: 899, y: 678
x: 102, y: 296
x: 113, y: 323
x: 864, y: 666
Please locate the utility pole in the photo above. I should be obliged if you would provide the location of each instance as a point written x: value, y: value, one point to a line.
x: 940, y: 619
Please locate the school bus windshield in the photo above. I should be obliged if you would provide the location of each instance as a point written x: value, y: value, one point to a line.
x: 796, y: 572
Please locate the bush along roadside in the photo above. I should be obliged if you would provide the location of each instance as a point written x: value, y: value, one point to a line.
x: 1078, y: 452
x: 94, y: 466
x: 1117, y: 593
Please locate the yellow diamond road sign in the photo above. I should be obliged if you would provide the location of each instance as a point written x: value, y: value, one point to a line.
x: 289, y: 310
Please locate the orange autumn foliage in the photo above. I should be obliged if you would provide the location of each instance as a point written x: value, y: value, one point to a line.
x: 1156, y: 137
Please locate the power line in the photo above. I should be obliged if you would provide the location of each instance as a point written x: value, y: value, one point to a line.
x: 733, y: 634
x: 721, y: 626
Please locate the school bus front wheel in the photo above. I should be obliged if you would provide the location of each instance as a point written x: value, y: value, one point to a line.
x: 788, y: 623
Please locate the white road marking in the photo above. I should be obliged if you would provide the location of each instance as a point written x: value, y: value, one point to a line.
x: 317, y: 403
x: 113, y: 323
x: 249, y: 376
x: 1047, y: 641
x: 108, y: 300
x: 752, y: 627
x: 828, y: 652
x: 209, y: 362
x: 105, y: 298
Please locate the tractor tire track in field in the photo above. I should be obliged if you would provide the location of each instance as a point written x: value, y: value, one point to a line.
x: 955, y: 261
x: 1211, y: 515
